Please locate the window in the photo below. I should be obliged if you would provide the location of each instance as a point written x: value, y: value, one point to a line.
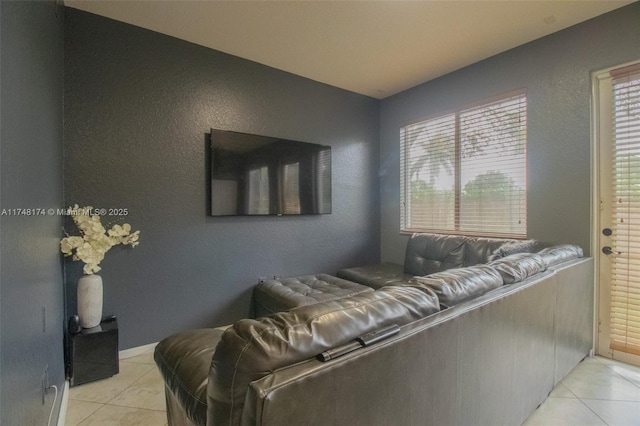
x: 466, y: 172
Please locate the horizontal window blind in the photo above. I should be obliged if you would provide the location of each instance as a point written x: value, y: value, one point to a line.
x: 625, y: 266
x: 493, y: 167
x: 466, y: 172
x: 428, y: 163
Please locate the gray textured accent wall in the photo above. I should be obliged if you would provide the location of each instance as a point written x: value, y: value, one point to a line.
x: 556, y: 71
x: 138, y: 106
x: 31, y: 285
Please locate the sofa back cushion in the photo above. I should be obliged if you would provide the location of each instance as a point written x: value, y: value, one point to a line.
x: 517, y: 267
x: 430, y: 253
x: 478, y: 250
x: 514, y: 247
x: 558, y: 254
x: 251, y: 349
x: 458, y: 285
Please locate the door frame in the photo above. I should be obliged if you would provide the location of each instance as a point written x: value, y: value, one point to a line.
x: 602, y: 291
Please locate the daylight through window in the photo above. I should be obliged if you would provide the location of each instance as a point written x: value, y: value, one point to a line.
x: 466, y: 172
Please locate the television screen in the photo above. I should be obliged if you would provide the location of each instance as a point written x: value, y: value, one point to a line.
x: 261, y: 175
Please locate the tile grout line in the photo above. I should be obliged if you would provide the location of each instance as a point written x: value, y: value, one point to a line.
x: 130, y: 385
x: 610, y: 400
x: 103, y: 405
x: 90, y: 414
x: 570, y: 391
x: 583, y: 403
x: 117, y: 406
x: 620, y: 375
x: 596, y: 414
x: 610, y: 370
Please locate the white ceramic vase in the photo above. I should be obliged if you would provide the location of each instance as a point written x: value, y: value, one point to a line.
x: 90, y: 300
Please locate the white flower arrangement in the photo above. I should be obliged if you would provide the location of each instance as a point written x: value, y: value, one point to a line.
x: 95, y: 240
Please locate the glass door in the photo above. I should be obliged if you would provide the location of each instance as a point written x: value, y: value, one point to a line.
x: 617, y: 96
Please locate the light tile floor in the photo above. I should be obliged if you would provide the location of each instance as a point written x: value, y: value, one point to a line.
x: 597, y: 392
x: 133, y: 397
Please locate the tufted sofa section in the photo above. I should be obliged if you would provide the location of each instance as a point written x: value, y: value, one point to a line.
x: 490, y: 360
x: 235, y: 377
x: 280, y: 295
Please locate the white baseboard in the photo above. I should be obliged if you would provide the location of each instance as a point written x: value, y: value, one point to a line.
x: 139, y: 350
x: 62, y: 415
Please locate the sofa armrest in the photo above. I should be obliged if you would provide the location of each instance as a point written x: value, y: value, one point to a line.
x: 184, y: 360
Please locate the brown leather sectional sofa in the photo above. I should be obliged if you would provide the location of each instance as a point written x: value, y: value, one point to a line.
x: 475, y: 342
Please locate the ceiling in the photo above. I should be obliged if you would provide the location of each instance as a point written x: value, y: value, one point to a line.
x: 375, y: 48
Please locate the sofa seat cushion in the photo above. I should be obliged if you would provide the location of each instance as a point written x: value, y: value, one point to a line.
x: 376, y: 276
x: 558, y: 254
x: 184, y: 360
x: 251, y: 349
x: 281, y: 295
x: 458, y: 285
x: 430, y: 253
x: 517, y: 267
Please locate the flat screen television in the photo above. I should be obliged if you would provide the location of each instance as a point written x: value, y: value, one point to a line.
x: 261, y: 175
